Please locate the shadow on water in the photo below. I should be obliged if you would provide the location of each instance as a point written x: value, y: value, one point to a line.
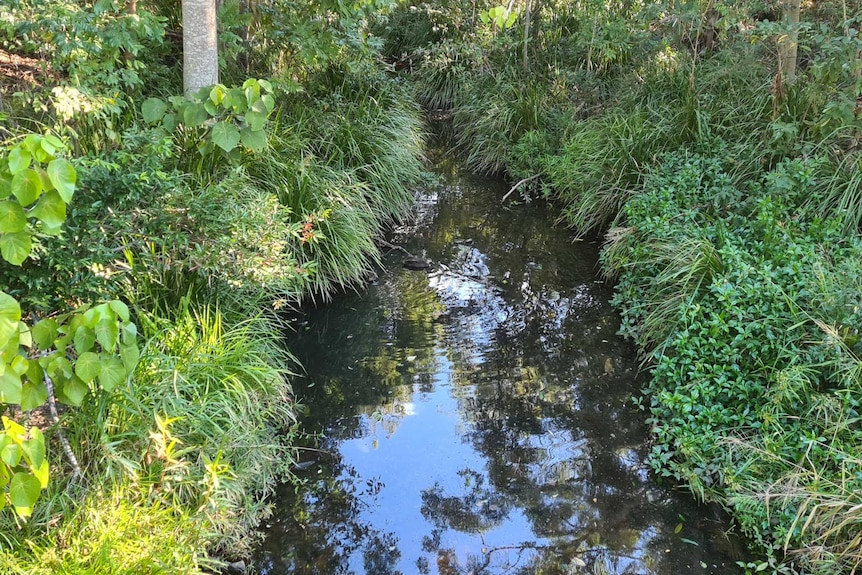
x: 476, y: 417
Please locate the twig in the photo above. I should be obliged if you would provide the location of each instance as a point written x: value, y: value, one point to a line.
x: 52, y: 405
x: 518, y: 185
x: 394, y: 247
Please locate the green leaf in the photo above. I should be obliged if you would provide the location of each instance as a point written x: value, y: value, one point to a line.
x: 10, y: 452
x: 107, y: 333
x: 169, y: 122
x: 19, y: 159
x: 225, y: 136
x: 51, y: 144
x: 15, y: 248
x: 195, y: 115
x: 44, y: 332
x: 121, y: 309
x: 5, y: 185
x: 63, y: 177
x: 19, y: 365
x: 51, y: 209
x: 10, y: 387
x: 130, y: 354
x: 129, y: 333
x: 113, y: 373
x: 27, y: 186
x: 74, y: 391
x: 88, y: 366
x: 255, y: 120
x: 42, y: 473
x: 254, y: 140
x: 33, y: 395
x: 24, y: 491
x: 10, y: 315
x: 216, y: 95
x: 5, y: 476
x: 12, y: 217
x: 153, y: 110
x: 84, y: 339
x: 34, y: 448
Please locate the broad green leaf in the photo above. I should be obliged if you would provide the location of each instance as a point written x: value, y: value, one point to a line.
x: 216, y: 95
x: 255, y: 120
x: 130, y: 354
x: 88, y: 366
x: 51, y: 144
x: 153, y: 110
x: 269, y: 101
x: 74, y: 391
x: 107, y: 333
x: 33, y: 394
x: 24, y: 337
x: 27, y: 186
x: 195, y: 115
x: 265, y: 84
x: 10, y: 452
x: 225, y: 136
x: 10, y: 387
x: 169, y: 122
x: 51, y: 209
x: 254, y: 140
x: 19, y: 365
x: 129, y: 333
x: 19, y: 159
x: 42, y: 473
x: 63, y: 177
x: 15, y: 248
x: 5, y: 476
x: 34, y: 448
x: 35, y: 373
x: 32, y: 142
x: 44, y: 332
x: 113, y: 373
x: 84, y: 339
x: 10, y: 315
x: 5, y: 185
x: 121, y: 309
x: 12, y: 217
x: 24, y: 491
x: 59, y: 367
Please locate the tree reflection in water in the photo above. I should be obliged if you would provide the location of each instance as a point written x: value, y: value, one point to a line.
x: 477, y: 418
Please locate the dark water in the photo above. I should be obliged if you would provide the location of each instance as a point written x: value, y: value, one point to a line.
x: 476, y: 418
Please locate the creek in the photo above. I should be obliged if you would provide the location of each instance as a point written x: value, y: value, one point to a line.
x: 477, y: 417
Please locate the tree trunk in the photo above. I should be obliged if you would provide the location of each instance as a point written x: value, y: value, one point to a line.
x: 200, y: 46
x: 788, y: 42
x: 526, y: 35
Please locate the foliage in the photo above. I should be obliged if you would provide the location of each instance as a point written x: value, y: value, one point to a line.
x: 755, y: 343
x: 217, y: 119
x: 94, y: 347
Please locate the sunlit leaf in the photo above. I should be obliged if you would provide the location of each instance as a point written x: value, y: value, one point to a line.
x: 63, y: 177
x: 24, y: 491
x: 15, y: 248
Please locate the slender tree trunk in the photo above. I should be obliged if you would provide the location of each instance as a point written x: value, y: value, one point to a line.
x: 526, y: 35
x: 788, y: 42
x: 200, y: 45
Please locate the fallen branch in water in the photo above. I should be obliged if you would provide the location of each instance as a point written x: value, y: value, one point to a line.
x: 518, y: 185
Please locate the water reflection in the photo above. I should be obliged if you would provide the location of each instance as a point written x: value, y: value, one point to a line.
x: 476, y: 418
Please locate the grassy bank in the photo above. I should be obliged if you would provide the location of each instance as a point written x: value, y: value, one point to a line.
x: 203, y: 242
x: 728, y: 191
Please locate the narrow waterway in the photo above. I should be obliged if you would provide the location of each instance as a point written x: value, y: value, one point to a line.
x: 476, y: 417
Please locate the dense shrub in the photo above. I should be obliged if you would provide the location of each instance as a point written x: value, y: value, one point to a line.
x: 750, y: 315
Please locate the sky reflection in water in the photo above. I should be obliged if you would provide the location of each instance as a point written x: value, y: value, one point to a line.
x: 476, y: 418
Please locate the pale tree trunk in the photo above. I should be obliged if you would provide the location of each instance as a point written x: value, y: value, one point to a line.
x: 200, y: 47
x: 788, y: 42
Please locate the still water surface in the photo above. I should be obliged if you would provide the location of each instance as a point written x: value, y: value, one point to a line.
x: 477, y: 418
